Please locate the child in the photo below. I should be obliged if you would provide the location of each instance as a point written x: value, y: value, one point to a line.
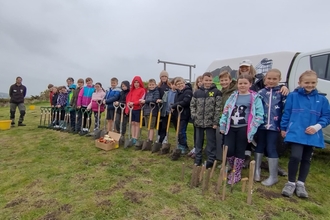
x: 73, y: 104
x: 61, y: 104
x: 50, y: 88
x: 273, y: 103
x: 246, y: 67
x: 182, y: 99
x: 69, y: 81
x: 306, y: 112
x: 228, y: 86
x: 53, y: 105
x: 72, y: 111
x: 164, y: 86
x: 125, y: 87
x: 96, y: 104
x: 84, y: 98
x: 136, y: 93
x: 111, y: 96
x: 197, y: 85
x: 205, y: 108
x: 242, y: 115
x: 151, y: 97
x: 168, y: 101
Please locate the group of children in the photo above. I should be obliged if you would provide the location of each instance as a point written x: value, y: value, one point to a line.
x: 254, y: 108
x: 248, y: 116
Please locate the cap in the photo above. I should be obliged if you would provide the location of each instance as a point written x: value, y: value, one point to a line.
x: 245, y: 63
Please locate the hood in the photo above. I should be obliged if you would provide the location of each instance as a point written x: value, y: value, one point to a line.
x: 137, y: 78
x: 72, y: 86
x: 126, y: 83
x: 187, y: 87
x: 303, y: 91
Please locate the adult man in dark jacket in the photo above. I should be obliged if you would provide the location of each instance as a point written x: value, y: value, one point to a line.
x: 17, y: 93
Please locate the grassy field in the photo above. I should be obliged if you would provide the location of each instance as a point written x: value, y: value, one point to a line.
x: 47, y: 174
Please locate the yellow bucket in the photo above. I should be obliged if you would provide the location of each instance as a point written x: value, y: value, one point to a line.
x: 5, y: 124
x: 32, y: 107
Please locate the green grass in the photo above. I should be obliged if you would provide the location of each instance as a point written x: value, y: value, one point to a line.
x: 47, y: 174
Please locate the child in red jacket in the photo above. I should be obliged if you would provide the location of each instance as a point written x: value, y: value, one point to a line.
x: 136, y: 93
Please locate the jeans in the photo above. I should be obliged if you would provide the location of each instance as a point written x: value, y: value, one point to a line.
x: 267, y: 141
x: 236, y: 140
x: 182, y: 139
x: 299, y: 154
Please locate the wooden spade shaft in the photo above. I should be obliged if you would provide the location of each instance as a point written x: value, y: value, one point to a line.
x: 250, y: 186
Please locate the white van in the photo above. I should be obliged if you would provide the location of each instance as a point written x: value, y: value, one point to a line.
x: 291, y: 64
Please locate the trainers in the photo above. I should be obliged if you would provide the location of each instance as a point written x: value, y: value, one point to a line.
x: 21, y: 124
x: 301, y: 191
x: 288, y: 189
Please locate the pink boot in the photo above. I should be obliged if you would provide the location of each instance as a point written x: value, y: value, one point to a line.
x: 230, y: 161
x: 239, y: 163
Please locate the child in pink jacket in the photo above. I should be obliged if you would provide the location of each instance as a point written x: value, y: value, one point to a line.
x: 96, y: 103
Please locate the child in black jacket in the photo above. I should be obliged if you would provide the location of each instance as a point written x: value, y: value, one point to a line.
x: 182, y: 103
x: 122, y: 100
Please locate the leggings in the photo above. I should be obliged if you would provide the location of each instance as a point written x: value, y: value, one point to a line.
x: 299, y: 154
x: 236, y: 140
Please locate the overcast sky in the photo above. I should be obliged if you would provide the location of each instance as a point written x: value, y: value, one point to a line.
x: 46, y: 41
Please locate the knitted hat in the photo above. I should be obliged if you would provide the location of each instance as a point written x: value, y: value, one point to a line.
x: 163, y: 73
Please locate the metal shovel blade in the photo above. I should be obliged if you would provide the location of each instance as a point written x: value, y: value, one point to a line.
x: 128, y: 143
x: 103, y: 133
x: 139, y: 143
x: 165, y: 148
x: 156, y: 147
x: 146, y: 146
x: 97, y: 134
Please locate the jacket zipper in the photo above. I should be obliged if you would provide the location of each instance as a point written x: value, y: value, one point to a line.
x: 269, y: 107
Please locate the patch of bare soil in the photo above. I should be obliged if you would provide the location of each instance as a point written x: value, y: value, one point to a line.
x: 15, y: 202
x: 65, y: 208
x: 175, y: 189
x: 45, y: 203
x: 193, y: 209
x: 104, y: 164
x: 267, y: 194
x: 118, y: 186
x: 134, y: 197
x: 34, y: 183
x: 36, y: 193
x: 51, y: 216
x: 104, y: 203
x: 54, y: 215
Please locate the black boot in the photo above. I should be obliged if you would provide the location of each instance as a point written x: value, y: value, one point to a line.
x: 21, y: 124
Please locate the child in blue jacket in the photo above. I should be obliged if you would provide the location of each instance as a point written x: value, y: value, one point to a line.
x: 112, y: 95
x: 268, y: 133
x: 306, y: 112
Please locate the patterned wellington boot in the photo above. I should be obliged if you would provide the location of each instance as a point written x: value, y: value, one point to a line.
x: 230, y: 161
x: 238, y: 169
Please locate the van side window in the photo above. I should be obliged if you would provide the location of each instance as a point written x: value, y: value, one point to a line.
x: 320, y: 64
